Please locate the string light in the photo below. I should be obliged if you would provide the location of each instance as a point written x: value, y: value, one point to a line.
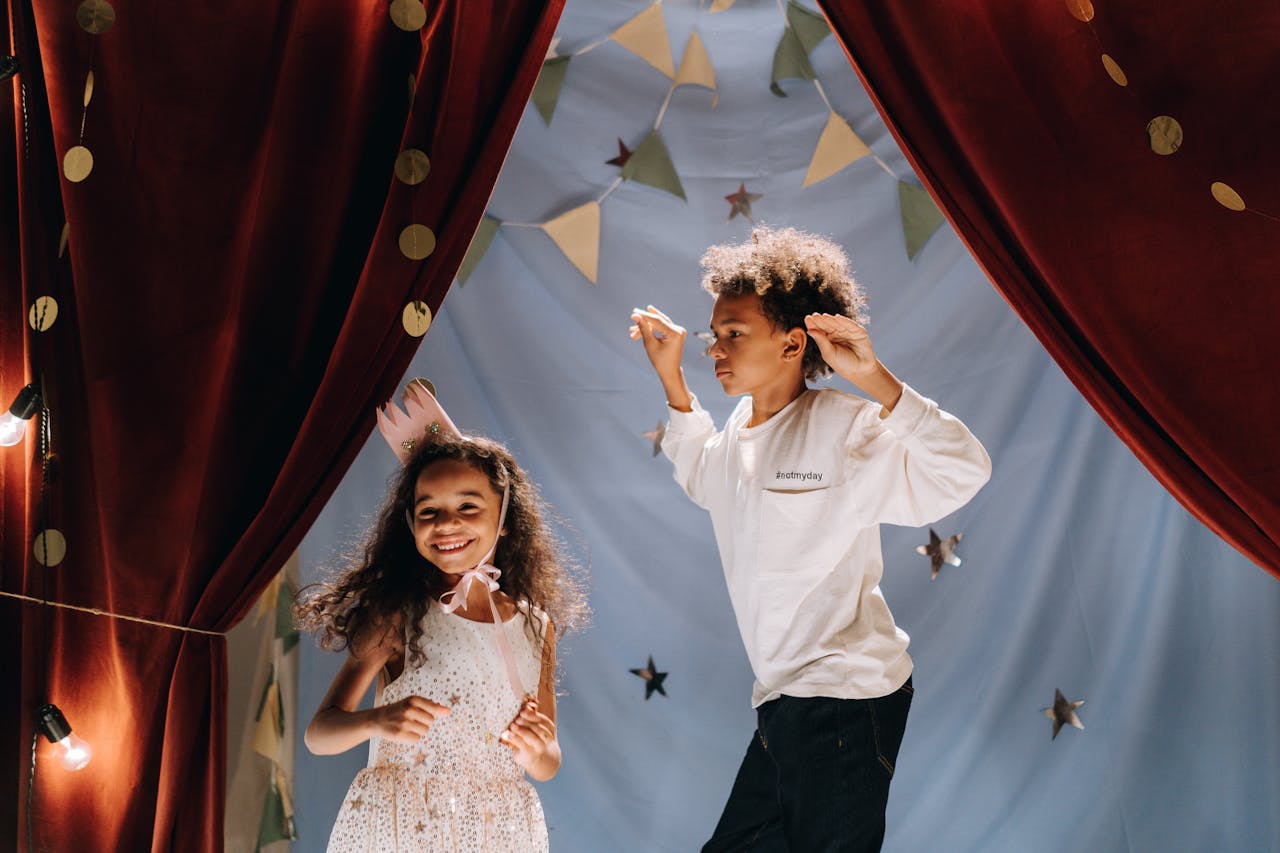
x: 13, y: 423
x: 75, y: 751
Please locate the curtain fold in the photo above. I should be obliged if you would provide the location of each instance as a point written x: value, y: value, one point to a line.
x: 231, y: 313
x: 1054, y: 166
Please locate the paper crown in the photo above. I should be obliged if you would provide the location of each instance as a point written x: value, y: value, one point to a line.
x: 422, y: 418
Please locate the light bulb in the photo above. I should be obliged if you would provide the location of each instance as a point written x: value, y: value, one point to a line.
x: 13, y: 423
x: 76, y: 752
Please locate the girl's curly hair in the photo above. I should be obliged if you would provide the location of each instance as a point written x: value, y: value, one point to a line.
x: 794, y: 273
x: 387, y: 585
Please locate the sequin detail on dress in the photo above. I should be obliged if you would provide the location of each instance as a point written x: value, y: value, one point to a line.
x: 458, y: 789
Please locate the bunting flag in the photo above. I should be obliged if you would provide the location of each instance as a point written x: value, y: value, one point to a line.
x: 720, y: 5
x: 696, y: 68
x: 645, y: 35
x: 651, y: 164
x: 837, y: 147
x: 546, y: 91
x: 480, y: 243
x: 277, y: 817
x: 804, y: 31
x: 577, y: 234
x: 920, y: 217
x: 269, y: 733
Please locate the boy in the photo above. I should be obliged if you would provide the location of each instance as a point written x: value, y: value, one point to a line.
x: 797, y: 484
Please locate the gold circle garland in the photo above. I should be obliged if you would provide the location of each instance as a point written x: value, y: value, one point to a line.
x: 95, y: 16
x: 43, y: 313
x: 77, y: 163
x: 412, y: 166
x: 50, y: 547
x: 417, y: 241
x: 1164, y: 134
x: 416, y: 318
x: 1114, y: 70
x: 1226, y: 196
x: 408, y: 15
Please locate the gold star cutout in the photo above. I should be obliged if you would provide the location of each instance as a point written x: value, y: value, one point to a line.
x: 1063, y: 713
x: 740, y: 202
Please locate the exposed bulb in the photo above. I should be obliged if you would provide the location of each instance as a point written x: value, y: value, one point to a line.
x: 75, y: 752
x: 12, y: 429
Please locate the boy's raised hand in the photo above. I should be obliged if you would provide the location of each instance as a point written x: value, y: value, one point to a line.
x: 846, y: 348
x: 663, y: 340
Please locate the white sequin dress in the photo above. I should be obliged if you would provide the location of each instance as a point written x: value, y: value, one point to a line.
x: 458, y: 789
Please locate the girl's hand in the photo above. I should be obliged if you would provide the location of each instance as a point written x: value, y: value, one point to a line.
x: 663, y: 341
x: 531, y: 734
x: 406, y: 721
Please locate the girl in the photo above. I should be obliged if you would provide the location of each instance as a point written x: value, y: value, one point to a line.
x: 453, y: 731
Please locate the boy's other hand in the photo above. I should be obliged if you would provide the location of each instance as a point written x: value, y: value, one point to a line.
x: 663, y: 340
x: 846, y: 348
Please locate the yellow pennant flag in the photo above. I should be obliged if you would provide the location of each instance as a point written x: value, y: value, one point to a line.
x: 270, y: 597
x: 646, y: 36
x: 267, y: 734
x: 720, y: 5
x: 837, y: 147
x: 695, y: 67
x: 577, y: 234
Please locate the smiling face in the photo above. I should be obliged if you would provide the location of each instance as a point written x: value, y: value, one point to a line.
x: 455, y: 515
x: 750, y: 355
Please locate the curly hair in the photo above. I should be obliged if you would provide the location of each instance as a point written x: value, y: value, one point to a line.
x: 387, y: 585
x: 794, y: 273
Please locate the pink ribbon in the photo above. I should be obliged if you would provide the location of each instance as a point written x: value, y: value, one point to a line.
x: 487, y: 575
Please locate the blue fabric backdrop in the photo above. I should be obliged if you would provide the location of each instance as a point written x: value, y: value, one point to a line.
x: 1079, y: 572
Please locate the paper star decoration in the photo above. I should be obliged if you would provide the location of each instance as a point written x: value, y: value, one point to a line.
x: 655, y: 435
x: 940, y: 551
x: 740, y: 202
x: 652, y: 679
x: 1063, y: 713
x: 624, y: 154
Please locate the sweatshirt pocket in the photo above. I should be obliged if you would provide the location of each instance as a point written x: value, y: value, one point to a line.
x: 797, y: 536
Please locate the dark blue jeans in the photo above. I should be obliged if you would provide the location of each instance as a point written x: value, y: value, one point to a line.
x: 816, y: 776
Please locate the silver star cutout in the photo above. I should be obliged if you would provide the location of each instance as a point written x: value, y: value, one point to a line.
x: 1063, y: 713
x: 940, y: 551
x: 655, y: 435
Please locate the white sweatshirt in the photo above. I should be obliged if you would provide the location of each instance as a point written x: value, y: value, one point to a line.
x: 796, y: 504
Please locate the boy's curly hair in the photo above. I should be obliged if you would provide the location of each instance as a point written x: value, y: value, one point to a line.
x: 794, y: 273
x: 387, y: 585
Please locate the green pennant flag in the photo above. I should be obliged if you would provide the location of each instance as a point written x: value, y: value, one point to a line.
x: 809, y: 27
x: 791, y: 58
x: 546, y: 92
x: 651, y: 164
x: 920, y: 217
x: 285, y: 629
x: 479, y: 245
x: 275, y: 825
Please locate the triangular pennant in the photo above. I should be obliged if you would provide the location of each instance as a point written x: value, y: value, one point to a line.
x: 480, y: 243
x: 267, y: 735
x: 577, y: 234
x: 645, y: 35
x: 920, y: 217
x: 720, y: 5
x: 286, y: 630
x: 837, y: 147
x: 809, y: 27
x: 789, y: 60
x: 696, y: 68
x: 546, y: 91
x: 268, y: 602
x: 651, y: 164
x: 277, y: 824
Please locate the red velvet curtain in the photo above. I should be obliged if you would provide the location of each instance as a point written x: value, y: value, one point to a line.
x: 1157, y: 301
x: 231, y: 301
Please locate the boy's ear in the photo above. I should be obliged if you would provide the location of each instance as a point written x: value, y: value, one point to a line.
x: 794, y: 345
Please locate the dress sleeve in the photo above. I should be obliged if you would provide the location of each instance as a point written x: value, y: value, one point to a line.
x: 914, y: 466
x: 685, y: 443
